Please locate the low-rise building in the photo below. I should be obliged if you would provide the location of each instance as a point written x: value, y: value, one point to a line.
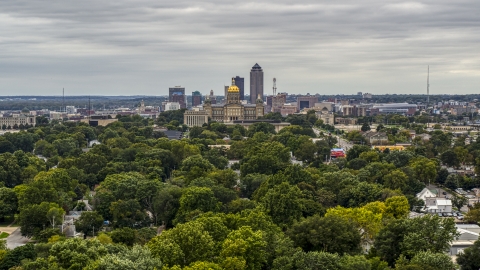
x: 17, y: 120
x: 327, y: 117
x: 195, y: 118
x: 99, y: 120
x: 438, y: 205
x: 172, y: 106
x: 376, y: 138
x: 469, y: 233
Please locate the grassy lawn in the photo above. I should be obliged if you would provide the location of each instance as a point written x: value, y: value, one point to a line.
x: 3, y: 235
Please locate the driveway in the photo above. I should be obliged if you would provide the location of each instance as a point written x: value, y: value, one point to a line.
x: 15, y: 239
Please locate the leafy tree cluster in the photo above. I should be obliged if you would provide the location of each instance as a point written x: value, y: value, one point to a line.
x: 180, y: 204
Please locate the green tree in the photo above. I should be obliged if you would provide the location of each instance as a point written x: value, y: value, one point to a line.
x: 332, y: 234
x: 89, y: 222
x: 14, y: 257
x: 55, y: 215
x: 131, y: 259
x: 250, y: 183
x: 450, y: 158
x: 33, y: 218
x: 166, y: 203
x: 438, y: 261
x: 183, y: 245
x: 424, y: 168
x: 365, y: 127
x: 356, y: 150
x: 307, y: 260
x: 8, y: 202
x: 408, y: 237
x: 473, y: 214
x: 397, y: 207
x: 399, y: 158
x: 194, y: 201
x: 459, y: 201
x: 283, y: 204
x: 123, y: 235
x: 246, y: 245
x: 128, y: 213
x: 358, y: 262
x: 266, y: 128
x: 360, y: 194
x: 396, y: 179
x: 195, y: 166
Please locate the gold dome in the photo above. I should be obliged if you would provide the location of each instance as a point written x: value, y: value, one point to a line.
x: 233, y: 88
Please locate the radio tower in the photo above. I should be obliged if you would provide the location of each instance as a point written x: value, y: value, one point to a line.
x: 274, y: 86
x: 428, y: 85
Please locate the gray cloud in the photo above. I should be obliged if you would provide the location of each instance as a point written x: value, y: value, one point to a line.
x: 144, y: 46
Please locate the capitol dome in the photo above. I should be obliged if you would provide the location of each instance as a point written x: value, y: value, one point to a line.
x: 233, y: 88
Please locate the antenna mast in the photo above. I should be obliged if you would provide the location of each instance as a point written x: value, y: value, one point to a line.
x: 428, y: 85
x: 274, y: 86
x: 63, y: 100
x: 89, y: 107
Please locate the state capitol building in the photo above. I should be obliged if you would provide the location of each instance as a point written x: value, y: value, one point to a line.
x: 233, y: 109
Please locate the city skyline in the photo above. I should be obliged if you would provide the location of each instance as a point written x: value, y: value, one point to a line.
x: 144, y: 47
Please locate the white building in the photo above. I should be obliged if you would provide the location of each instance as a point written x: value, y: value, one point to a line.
x: 426, y: 193
x: 11, y: 121
x: 70, y: 110
x: 172, y: 106
x: 438, y: 205
x: 195, y: 118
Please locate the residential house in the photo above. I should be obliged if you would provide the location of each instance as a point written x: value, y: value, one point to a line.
x: 426, y: 193
x: 438, y: 205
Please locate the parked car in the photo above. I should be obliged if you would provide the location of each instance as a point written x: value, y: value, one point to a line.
x: 460, y: 217
x: 454, y: 214
x: 440, y: 214
x: 470, y: 196
x: 449, y: 215
x: 444, y: 214
x: 444, y: 193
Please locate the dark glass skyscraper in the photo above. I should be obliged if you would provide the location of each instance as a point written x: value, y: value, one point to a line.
x: 240, y: 83
x: 256, y: 83
x: 177, y: 94
x: 196, y: 98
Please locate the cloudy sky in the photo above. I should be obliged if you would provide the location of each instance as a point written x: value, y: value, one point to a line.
x: 141, y: 47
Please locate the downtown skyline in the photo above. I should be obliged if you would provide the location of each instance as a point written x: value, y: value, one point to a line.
x: 145, y: 47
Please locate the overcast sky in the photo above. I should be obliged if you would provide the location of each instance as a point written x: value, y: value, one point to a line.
x: 141, y: 47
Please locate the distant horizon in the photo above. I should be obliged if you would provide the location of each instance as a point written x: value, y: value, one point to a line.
x: 187, y: 94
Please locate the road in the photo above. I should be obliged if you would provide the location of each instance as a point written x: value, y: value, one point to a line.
x: 15, y: 239
x: 342, y: 143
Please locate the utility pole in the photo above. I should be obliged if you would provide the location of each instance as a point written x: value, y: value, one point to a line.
x: 428, y: 85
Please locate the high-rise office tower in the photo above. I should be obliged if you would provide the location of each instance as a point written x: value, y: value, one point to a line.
x: 256, y: 83
x: 177, y: 94
x: 240, y: 83
x: 196, y: 98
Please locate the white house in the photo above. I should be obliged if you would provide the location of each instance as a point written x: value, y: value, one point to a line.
x: 426, y: 193
x: 438, y: 205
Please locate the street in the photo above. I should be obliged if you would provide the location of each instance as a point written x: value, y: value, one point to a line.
x: 15, y: 239
x: 341, y: 142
